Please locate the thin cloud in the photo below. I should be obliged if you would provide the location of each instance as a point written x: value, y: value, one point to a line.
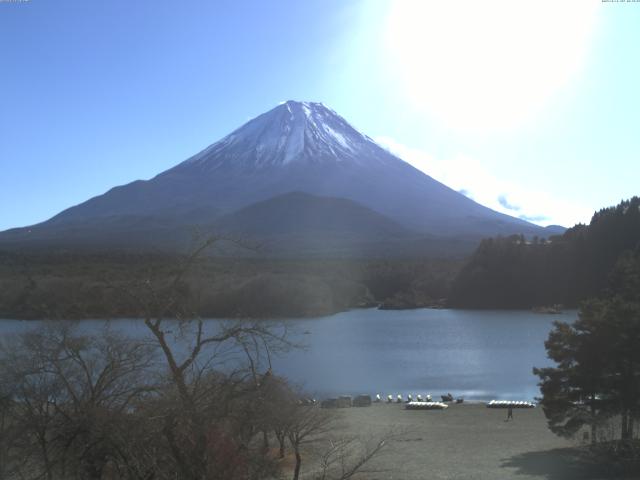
x: 502, y: 200
x: 533, y: 218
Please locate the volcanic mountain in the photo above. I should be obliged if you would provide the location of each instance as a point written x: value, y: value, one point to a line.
x: 346, y: 186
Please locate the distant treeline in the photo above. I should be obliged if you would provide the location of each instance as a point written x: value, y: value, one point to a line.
x: 513, y: 272
x: 75, y: 285
x: 504, y: 272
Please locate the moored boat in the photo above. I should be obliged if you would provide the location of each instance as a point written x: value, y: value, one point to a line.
x: 510, y: 403
x: 426, y: 406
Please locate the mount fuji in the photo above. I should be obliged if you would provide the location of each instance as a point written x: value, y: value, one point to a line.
x: 297, y: 171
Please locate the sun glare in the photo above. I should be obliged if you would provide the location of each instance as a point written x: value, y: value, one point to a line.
x: 485, y: 65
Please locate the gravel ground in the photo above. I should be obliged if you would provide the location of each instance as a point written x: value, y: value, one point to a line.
x: 470, y: 442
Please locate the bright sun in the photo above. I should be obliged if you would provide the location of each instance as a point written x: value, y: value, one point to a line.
x: 489, y: 64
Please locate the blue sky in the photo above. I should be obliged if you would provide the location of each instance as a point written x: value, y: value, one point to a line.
x: 528, y: 107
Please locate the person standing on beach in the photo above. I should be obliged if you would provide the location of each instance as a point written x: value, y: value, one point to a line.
x: 509, y: 413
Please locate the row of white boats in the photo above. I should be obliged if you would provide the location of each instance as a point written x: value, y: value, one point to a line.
x: 426, y: 406
x: 411, y: 403
x: 427, y: 403
x: 419, y: 405
x: 510, y: 403
x: 419, y: 398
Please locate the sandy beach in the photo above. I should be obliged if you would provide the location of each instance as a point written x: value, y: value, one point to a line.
x: 468, y: 442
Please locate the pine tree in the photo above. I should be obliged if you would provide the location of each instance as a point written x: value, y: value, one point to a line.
x: 597, y: 376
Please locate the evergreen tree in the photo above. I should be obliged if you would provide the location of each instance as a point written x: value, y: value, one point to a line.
x: 508, y: 272
x: 597, y: 377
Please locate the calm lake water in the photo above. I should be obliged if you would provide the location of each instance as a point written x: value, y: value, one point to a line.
x: 477, y: 354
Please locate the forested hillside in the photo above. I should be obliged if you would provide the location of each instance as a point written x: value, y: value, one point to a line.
x: 107, y: 285
x: 512, y: 272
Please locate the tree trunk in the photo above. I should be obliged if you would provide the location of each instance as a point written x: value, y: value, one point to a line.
x: 593, y: 421
x: 625, y: 425
x: 47, y: 461
x: 93, y: 465
x: 183, y: 464
x: 281, y: 437
x: 296, y: 472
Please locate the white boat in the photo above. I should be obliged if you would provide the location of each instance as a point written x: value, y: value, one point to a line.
x: 510, y: 403
x: 426, y: 406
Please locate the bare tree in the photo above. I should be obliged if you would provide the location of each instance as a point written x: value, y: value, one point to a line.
x: 208, y: 409
x: 346, y: 457
x: 305, y: 425
x: 280, y: 404
x: 71, y: 395
x: 339, y: 458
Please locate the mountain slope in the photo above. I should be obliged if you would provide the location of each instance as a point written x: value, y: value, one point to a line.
x: 301, y: 224
x: 297, y: 146
x: 298, y: 213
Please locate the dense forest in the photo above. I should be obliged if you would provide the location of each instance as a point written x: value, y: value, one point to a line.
x: 515, y: 272
x: 503, y: 272
x: 75, y: 285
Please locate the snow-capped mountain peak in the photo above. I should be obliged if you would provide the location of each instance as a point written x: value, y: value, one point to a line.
x: 295, y: 147
x: 289, y: 133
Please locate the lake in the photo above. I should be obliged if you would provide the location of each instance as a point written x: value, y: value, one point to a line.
x: 478, y: 354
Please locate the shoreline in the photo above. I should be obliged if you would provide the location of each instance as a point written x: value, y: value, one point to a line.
x: 567, y: 310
